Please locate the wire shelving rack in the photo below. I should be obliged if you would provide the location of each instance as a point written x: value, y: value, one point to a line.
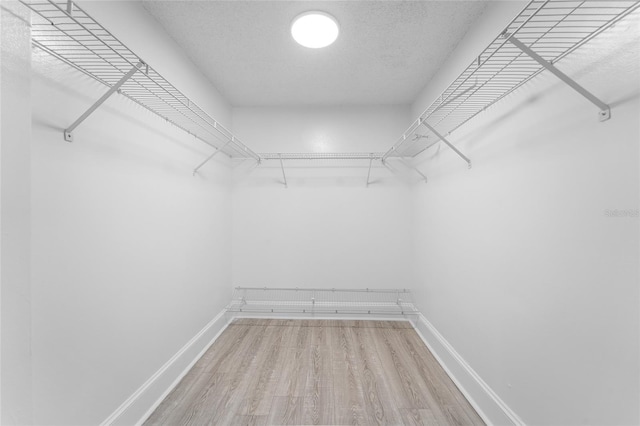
x: 322, y: 156
x: 552, y: 29
x: 67, y: 32
x: 266, y: 301
x: 540, y: 36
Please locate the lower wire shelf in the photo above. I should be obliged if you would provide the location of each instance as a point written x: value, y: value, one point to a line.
x: 322, y: 302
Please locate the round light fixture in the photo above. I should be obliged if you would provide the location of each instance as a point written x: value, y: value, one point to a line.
x: 315, y: 29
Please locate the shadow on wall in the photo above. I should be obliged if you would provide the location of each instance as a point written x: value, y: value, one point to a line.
x: 316, y: 174
x: 579, y: 65
x: 625, y: 100
x: 482, y: 134
x: 10, y: 12
x: 314, y: 182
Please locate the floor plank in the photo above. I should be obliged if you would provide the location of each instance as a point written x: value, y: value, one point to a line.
x: 286, y: 411
x: 348, y: 396
x: 379, y: 404
x: 324, y: 372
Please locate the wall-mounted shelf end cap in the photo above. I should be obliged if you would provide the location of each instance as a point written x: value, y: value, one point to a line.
x: 604, y: 114
x: 68, y: 136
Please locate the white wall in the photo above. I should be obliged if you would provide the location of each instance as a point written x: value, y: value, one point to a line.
x: 130, y: 252
x: 327, y: 229
x: 15, y: 133
x: 520, y: 267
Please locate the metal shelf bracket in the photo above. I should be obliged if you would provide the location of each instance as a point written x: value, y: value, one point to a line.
x: 553, y: 28
x: 68, y: 133
x: 443, y: 139
x: 211, y: 156
x: 369, y: 172
x: 605, y: 111
x: 284, y: 176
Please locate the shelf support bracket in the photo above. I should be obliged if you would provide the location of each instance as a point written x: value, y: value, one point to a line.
x: 443, y: 139
x: 369, y: 173
x: 284, y: 176
x: 212, y: 155
x: 68, y: 133
x: 448, y: 101
x: 605, y: 110
x: 406, y: 163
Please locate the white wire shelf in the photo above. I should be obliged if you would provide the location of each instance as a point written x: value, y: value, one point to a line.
x: 322, y: 302
x: 322, y: 156
x: 551, y: 28
x: 64, y: 30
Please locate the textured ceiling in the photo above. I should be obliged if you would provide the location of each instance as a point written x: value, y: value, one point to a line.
x: 386, y: 53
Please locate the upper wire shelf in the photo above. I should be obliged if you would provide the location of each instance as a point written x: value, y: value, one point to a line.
x: 64, y: 30
x: 552, y: 28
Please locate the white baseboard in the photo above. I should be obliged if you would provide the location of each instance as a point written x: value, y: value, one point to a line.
x: 492, y: 409
x: 139, y: 406
x: 312, y: 316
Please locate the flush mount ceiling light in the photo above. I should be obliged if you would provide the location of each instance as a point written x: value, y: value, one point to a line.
x: 315, y: 29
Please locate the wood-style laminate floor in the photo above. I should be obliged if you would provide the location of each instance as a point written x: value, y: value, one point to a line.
x: 316, y: 372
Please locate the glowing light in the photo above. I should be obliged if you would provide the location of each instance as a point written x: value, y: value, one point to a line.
x: 315, y: 29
